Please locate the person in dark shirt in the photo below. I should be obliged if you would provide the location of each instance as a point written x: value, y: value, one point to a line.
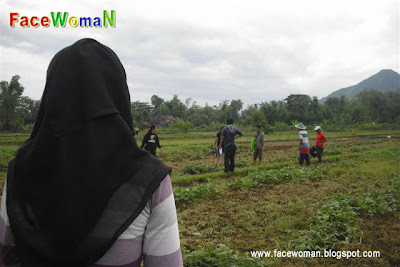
x: 150, y: 140
x: 228, y: 136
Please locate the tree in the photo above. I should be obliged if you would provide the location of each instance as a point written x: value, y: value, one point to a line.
x: 237, y: 105
x: 175, y: 107
x: 373, y: 103
x: 9, y: 100
x: 230, y: 110
x: 188, y: 101
x: 141, y: 112
x: 392, y: 106
x: 28, y: 109
x: 298, y: 107
x: 253, y: 116
x: 272, y: 111
x: 335, y: 109
x: 157, y: 102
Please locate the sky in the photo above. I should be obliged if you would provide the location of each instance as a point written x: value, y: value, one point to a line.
x: 212, y: 51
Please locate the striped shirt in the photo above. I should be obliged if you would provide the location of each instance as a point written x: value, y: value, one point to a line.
x: 153, y: 237
x: 305, y: 144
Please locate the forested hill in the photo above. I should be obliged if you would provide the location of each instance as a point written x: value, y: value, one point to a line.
x: 383, y: 81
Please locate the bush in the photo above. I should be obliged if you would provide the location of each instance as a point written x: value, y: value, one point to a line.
x: 188, y: 195
x: 287, y: 174
x: 282, y: 127
x: 332, y: 152
x: 267, y: 128
x: 281, y: 159
x: 241, y: 183
x: 3, y: 175
x: 214, y: 126
x: 331, y: 126
x: 371, y: 126
x: 241, y: 163
x: 335, y: 222
x: 7, y: 153
x: 197, y: 156
x: 382, y: 201
x: 180, y: 126
x: 27, y: 128
x: 358, y: 149
x: 197, y: 168
x: 13, y: 126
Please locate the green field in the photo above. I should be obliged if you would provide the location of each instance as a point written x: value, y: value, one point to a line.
x: 349, y: 202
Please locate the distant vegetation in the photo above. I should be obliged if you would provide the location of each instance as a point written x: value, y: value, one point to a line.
x: 369, y: 110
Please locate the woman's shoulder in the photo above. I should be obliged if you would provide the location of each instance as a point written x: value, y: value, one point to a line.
x: 163, y: 192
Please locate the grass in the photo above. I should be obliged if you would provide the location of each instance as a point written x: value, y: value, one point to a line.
x: 220, y: 255
x: 271, y: 216
x: 288, y: 174
x: 193, y: 168
x: 333, y: 224
x: 191, y: 179
x: 267, y: 207
x: 196, y: 137
x: 7, y: 153
x: 338, y: 222
x: 180, y: 152
x: 189, y: 195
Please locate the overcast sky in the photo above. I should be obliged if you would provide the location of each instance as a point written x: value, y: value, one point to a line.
x: 216, y: 50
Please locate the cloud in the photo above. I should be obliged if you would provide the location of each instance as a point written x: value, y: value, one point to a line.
x: 215, y: 50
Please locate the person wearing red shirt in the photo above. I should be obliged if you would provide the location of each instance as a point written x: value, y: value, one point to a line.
x: 320, y: 140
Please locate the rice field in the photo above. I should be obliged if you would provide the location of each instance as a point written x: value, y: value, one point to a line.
x: 349, y: 202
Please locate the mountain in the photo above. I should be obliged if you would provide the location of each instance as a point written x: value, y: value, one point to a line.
x: 384, y: 81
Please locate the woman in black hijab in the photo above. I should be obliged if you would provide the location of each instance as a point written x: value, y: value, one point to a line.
x: 80, y: 181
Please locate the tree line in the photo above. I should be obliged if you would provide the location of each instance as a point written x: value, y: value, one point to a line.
x: 18, y: 113
x: 369, y: 106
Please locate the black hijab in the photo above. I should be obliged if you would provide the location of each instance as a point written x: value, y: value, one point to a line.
x: 80, y: 179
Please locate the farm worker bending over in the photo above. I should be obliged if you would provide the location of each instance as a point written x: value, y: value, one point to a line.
x: 80, y: 192
x: 220, y: 151
x: 304, y: 145
x: 151, y: 141
x: 229, y: 134
x: 320, y: 140
x: 259, y: 145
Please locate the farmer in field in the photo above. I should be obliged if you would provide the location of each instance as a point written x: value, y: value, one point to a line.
x: 320, y: 140
x: 304, y: 145
x: 228, y: 136
x: 259, y: 145
x: 150, y: 140
x: 219, y: 155
x: 80, y: 192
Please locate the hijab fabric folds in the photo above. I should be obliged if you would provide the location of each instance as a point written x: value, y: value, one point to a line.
x: 80, y: 179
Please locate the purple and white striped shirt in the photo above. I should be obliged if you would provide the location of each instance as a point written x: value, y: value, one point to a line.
x: 152, y: 237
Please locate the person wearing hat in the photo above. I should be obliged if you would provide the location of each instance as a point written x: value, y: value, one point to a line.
x: 320, y: 140
x: 304, y: 145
